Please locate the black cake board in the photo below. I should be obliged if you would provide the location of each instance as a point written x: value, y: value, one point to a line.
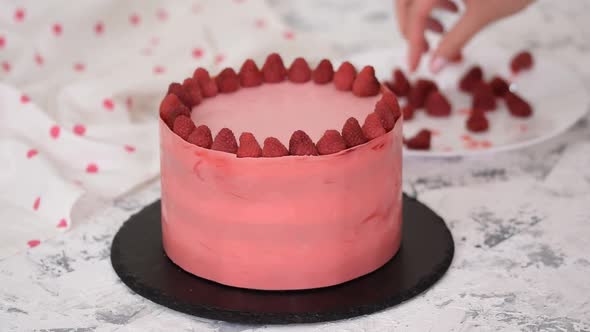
x: 426, y: 252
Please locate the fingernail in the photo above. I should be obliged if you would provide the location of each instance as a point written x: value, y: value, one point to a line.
x: 437, y: 64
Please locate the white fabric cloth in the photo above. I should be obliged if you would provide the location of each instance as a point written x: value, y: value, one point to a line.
x: 80, y: 87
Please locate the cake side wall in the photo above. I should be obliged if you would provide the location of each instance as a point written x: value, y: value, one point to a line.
x: 281, y: 223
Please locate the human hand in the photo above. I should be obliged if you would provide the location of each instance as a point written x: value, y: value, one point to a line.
x: 414, y: 18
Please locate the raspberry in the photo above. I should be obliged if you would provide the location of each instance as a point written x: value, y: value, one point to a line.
x: 499, y: 86
x: 385, y: 114
x: 301, y: 144
x: 521, y: 61
x: 168, y: 104
x: 323, y: 73
x: 477, y: 121
x: 437, y: 104
x: 420, y: 91
x: 274, y: 148
x: 299, y: 72
x: 193, y: 92
x: 353, y: 133
x: 169, y: 111
x: 209, y: 89
x: 400, y: 84
x: 201, y: 136
x: 178, y: 90
x: 249, y: 147
x: 373, y: 128
x: 331, y: 142
x: 207, y: 85
x: 408, y: 111
x: 201, y: 75
x: 250, y: 75
x: 228, y: 81
x: 225, y: 141
x: 274, y: 70
x: 183, y: 126
x: 391, y: 100
x: 421, y: 141
x: 467, y: 82
x: 483, y: 97
x: 344, y: 76
x: 517, y: 106
x: 366, y: 84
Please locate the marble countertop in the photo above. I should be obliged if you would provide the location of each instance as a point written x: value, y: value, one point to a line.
x: 520, y: 219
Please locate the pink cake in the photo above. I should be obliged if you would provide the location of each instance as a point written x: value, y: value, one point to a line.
x: 305, y: 197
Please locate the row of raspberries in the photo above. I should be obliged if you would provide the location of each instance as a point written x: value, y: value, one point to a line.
x: 193, y: 89
x: 352, y: 134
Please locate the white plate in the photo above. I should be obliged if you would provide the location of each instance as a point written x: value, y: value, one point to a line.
x: 554, y: 91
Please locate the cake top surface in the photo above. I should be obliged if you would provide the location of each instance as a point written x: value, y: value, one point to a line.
x: 278, y: 110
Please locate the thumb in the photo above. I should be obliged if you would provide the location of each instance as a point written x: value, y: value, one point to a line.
x: 453, y: 41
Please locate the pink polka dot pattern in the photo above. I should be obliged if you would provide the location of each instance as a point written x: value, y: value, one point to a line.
x: 92, y: 168
x: 33, y: 243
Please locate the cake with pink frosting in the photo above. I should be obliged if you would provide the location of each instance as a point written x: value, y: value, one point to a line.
x: 281, y: 178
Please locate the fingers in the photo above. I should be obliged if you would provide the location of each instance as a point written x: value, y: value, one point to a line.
x: 418, y: 16
x: 401, y: 9
x: 454, y: 40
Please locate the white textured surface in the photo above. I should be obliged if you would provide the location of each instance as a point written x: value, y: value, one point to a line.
x: 520, y: 220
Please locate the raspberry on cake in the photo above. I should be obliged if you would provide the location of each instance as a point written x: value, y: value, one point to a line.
x: 323, y: 73
x: 344, y: 76
x: 277, y: 208
x: 301, y: 145
x: 274, y: 70
x: 373, y: 126
x: 299, y: 72
x: 193, y: 92
x: 177, y: 89
x: 183, y: 126
x: 225, y: 141
x: 249, y: 147
x: 250, y: 75
x: 274, y: 148
x: 388, y: 118
x: 201, y: 137
x: 366, y: 84
x: 208, y: 86
x: 331, y: 142
x: 353, y: 133
x: 228, y: 81
x: 168, y: 108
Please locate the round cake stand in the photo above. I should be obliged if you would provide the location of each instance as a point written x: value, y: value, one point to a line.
x: 426, y: 252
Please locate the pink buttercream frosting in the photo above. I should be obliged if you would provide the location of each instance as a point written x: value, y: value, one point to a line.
x: 280, y: 109
x: 281, y: 223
